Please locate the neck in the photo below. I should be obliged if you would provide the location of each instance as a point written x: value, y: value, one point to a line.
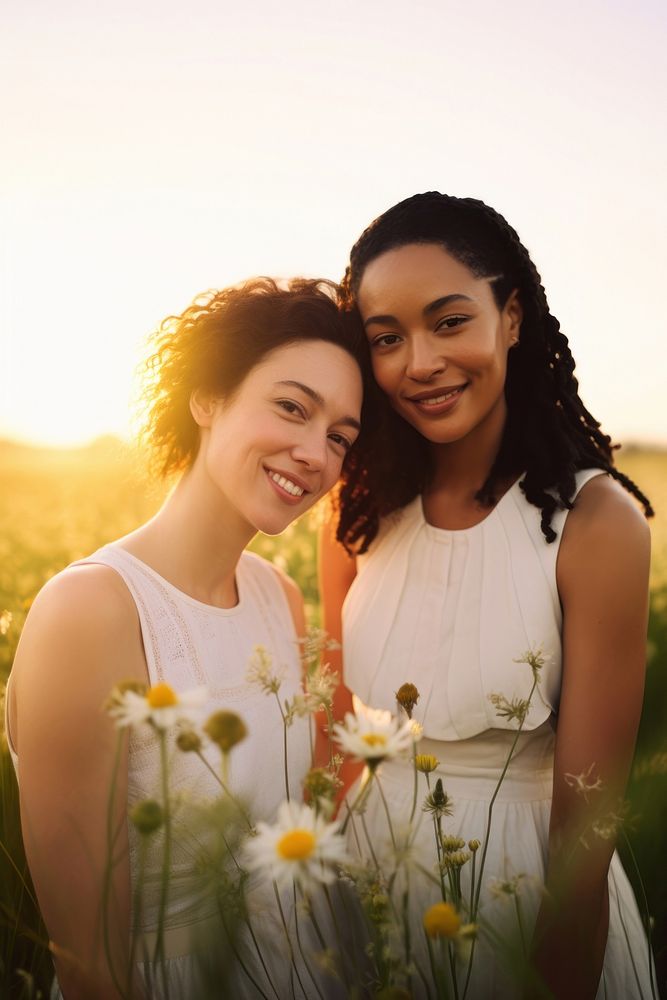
x: 461, y: 467
x: 195, y: 540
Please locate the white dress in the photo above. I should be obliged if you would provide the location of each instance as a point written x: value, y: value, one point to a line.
x: 451, y: 611
x: 188, y: 643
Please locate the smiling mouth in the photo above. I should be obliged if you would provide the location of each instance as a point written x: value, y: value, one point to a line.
x: 437, y: 397
x: 288, y: 485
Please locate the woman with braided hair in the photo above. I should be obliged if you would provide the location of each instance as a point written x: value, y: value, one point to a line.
x: 483, y: 530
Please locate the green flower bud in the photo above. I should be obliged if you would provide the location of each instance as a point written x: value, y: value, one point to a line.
x: 188, y: 741
x: 147, y: 816
x: 226, y: 729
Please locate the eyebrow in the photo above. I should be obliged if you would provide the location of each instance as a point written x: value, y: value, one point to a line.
x: 444, y: 300
x: 319, y: 400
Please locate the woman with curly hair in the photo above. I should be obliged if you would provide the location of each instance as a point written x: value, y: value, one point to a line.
x: 253, y: 397
x: 500, y: 564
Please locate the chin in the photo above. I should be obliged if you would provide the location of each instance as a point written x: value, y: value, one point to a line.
x: 274, y: 526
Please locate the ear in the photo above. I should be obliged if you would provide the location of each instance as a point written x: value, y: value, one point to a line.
x: 203, y: 405
x: 513, y: 317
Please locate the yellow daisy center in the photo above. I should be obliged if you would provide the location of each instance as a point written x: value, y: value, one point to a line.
x: 297, y: 845
x: 374, y: 739
x: 161, y: 696
x: 441, y: 920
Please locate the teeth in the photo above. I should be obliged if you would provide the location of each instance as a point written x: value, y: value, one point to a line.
x: 287, y: 485
x: 434, y: 400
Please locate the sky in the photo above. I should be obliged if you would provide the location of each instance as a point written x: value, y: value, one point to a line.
x: 153, y: 150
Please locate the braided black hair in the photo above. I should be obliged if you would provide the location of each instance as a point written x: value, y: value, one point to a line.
x: 549, y: 434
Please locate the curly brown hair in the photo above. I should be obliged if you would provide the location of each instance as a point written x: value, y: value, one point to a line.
x: 218, y: 339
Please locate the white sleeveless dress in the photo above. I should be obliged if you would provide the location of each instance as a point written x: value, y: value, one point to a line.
x: 451, y: 611
x: 188, y: 643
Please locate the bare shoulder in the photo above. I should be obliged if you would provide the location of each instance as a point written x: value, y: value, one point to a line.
x: 85, y: 615
x: 605, y: 508
x: 605, y: 527
x: 86, y: 597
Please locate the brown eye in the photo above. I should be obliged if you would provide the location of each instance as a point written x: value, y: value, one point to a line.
x: 385, y: 340
x: 450, y: 322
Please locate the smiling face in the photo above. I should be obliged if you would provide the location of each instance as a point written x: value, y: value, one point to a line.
x: 438, y: 341
x: 277, y: 445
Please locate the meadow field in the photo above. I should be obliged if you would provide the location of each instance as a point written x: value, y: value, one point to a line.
x: 59, y: 505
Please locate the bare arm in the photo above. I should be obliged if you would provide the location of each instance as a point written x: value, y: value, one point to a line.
x: 603, y: 584
x: 336, y: 571
x: 81, y: 637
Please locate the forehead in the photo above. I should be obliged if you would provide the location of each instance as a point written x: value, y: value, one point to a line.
x: 421, y: 270
x: 325, y: 367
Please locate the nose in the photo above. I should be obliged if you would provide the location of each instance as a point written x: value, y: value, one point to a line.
x: 311, y: 450
x: 424, y: 361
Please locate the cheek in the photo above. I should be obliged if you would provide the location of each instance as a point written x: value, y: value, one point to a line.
x: 386, y: 372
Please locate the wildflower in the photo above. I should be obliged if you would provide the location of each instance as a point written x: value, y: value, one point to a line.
x: 583, y: 783
x: 320, y: 786
x: 321, y: 683
x: 314, y: 643
x: 147, y: 816
x: 300, y: 846
x: 502, y: 888
x: 607, y: 827
x: 259, y: 671
x: 455, y: 859
x: 464, y: 941
x: 117, y: 696
x: 226, y: 729
x: 438, y: 801
x: 160, y: 705
x: 535, y: 659
x: 450, y: 843
x: 407, y: 697
x: 474, y: 846
x: 426, y: 762
x: 515, y: 710
x: 301, y: 705
x: 416, y: 730
x: 374, y: 735
x: 188, y: 741
x: 5, y: 622
x: 441, y: 921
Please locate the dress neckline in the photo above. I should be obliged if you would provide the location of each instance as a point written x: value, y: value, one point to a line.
x: 437, y: 532
x: 181, y: 594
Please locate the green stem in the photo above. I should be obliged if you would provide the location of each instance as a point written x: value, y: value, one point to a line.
x: 282, y: 716
x: 226, y: 790
x: 166, y: 863
x: 364, y: 789
x: 415, y: 782
x: 239, y: 959
x: 386, y: 809
x: 288, y: 940
x: 646, y: 918
x: 300, y: 946
x: 492, y: 802
x: 137, y: 910
x: 109, y: 863
x: 339, y: 939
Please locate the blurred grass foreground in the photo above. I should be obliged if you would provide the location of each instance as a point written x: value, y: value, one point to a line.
x: 57, y: 506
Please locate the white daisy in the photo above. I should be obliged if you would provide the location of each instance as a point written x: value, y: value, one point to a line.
x: 300, y: 846
x: 160, y: 705
x: 374, y: 735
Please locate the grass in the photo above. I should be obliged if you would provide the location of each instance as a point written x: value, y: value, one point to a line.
x: 58, y: 506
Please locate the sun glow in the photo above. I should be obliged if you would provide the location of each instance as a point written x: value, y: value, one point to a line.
x: 156, y: 155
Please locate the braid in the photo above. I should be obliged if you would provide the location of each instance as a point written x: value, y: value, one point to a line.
x: 549, y: 434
